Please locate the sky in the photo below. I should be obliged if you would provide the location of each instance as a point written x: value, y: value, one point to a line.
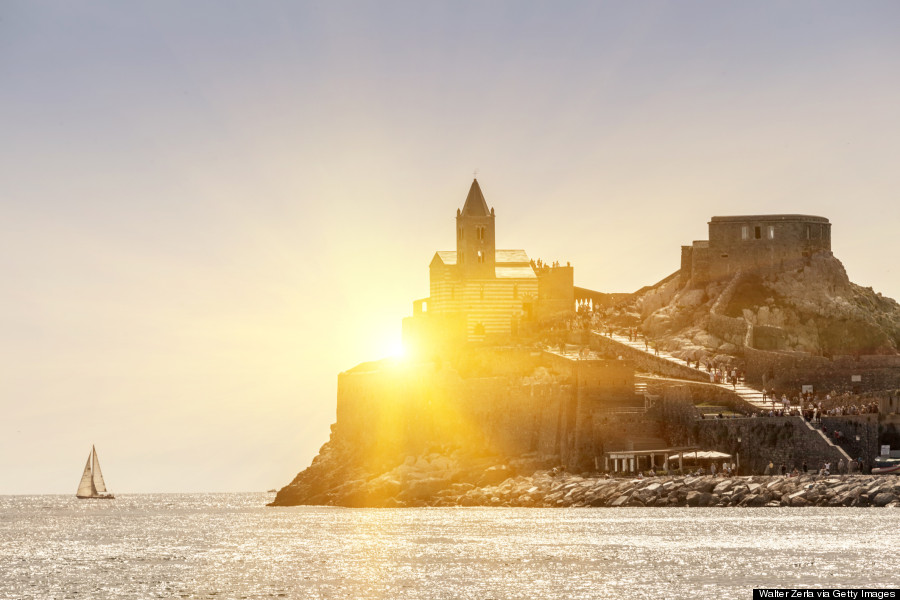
x: 210, y: 209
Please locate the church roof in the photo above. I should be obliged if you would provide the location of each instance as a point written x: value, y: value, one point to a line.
x: 448, y: 257
x: 475, y: 205
x: 511, y: 256
x: 503, y: 272
x: 513, y: 264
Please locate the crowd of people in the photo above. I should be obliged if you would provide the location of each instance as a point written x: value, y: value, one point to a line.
x: 842, y: 468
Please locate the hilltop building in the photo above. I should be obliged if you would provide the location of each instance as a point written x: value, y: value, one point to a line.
x: 754, y: 243
x: 478, y: 292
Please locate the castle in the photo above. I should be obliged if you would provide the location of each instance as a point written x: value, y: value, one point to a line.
x: 478, y: 292
x: 754, y: 243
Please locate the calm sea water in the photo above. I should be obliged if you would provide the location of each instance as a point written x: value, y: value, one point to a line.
x: 231, y: 546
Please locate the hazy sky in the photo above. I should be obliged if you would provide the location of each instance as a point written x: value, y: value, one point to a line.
x: 209, y: 209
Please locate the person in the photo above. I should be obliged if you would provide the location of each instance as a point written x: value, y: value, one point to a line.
x: 841, y: 467
x: 712, y: 469
x: 764, y: 394
x: 805, y: 468
x: 769, y: 468
x: 783, y: 469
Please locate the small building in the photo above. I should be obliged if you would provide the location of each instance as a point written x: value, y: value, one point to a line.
x: 754, y: 243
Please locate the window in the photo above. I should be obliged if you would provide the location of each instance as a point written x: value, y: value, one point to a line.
x: 771, y: 232
x: 480, y: 233
x: 757, y: 232
x: 745, y: 232
x: 480, y: 257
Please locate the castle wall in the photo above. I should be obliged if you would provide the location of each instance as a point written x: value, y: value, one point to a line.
x: 556, y: 292
x: 642, y: 360
x: 785, y: 440
x: 758, y: 243
x: 790, y: 370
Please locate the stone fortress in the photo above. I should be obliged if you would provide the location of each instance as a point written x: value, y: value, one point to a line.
x: 513, y: 369
x: 761, y: 243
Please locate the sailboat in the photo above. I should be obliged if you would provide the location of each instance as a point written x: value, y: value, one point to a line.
x: 92, y: 484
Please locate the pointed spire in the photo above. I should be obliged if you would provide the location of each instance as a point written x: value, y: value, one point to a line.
x: 475, y: 205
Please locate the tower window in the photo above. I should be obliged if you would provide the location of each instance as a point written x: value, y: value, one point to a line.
x: 745, y: 232
x: 479, y: 231
x: 757, y: 232
x: 480, y: 257
x: 771, y: 232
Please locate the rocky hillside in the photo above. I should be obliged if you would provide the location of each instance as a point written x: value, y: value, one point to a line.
x: 814, y: 309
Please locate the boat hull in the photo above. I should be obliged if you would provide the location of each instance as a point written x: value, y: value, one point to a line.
x: 109, y: 497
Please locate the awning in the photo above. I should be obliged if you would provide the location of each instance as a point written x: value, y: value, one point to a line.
x: 701, y: 454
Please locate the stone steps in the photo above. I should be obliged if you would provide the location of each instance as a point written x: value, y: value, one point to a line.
x: 750, y: 395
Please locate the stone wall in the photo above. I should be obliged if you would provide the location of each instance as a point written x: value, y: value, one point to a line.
x: 790, y: 370
x: 864, y: 426
x: 786, y: 440
x: 644, y: 361
x: 534, y: 405
x: 758, y: 243
x: 730, y: 329
x: 395, y: 412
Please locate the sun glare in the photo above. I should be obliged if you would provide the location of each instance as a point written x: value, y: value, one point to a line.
x: 395, y: 349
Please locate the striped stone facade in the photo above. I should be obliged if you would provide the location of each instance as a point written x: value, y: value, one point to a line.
x: 478, y: 292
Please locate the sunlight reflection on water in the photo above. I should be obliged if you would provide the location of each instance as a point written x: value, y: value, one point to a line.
x: 231, y: 546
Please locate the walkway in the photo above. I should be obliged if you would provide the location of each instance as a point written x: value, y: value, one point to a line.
x: 750, y: 395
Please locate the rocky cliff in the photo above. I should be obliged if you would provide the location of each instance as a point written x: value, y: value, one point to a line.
x: 813, y: 309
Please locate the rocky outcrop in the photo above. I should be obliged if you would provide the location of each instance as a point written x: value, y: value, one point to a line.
x: 437, y: 481
x: 814, y: 309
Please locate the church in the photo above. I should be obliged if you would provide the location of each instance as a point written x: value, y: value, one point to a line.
x: 478, y: 292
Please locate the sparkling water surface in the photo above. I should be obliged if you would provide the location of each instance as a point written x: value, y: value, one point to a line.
x: 231, y: 546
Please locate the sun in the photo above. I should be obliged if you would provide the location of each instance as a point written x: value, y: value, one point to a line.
x: 395, y: 349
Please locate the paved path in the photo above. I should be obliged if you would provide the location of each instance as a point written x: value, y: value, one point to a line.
x: 750, y: 395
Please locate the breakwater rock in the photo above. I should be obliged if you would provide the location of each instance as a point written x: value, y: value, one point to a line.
x: 544, y: 489
x: 438, y: 482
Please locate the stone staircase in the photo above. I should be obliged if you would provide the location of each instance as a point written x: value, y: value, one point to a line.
x: 828, y: 441
x: 750, y: 395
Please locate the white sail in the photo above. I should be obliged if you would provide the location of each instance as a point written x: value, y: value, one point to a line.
x: 99, y: 484
x: 86, y: 487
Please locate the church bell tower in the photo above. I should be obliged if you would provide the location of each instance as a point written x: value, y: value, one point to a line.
x: 475, y: 247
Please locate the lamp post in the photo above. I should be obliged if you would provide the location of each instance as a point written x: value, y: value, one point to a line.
x: 860, y: 454
x: 737, y: 454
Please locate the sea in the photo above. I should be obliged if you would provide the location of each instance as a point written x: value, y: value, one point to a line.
x: 222, y: 546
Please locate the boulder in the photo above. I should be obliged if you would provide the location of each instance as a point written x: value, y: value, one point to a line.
x: 883, y: 499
